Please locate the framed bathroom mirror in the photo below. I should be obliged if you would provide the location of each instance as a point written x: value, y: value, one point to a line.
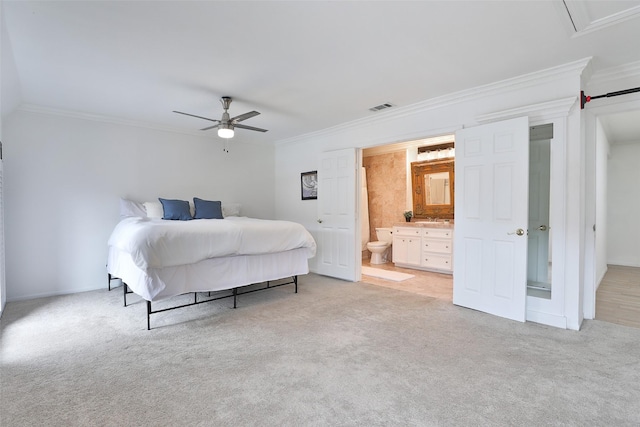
x: 433, y: 189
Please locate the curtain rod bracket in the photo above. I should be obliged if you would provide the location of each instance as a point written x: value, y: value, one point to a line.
x: 585, y: 98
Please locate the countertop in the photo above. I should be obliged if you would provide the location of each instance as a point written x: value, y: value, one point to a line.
x: 425, y: 224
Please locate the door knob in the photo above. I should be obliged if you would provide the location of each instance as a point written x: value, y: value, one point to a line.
x: 319, y: 221
x: 519, y: 232
x: 542, y: 228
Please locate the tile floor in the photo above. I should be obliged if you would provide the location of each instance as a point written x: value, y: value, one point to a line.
x: 435, y: 285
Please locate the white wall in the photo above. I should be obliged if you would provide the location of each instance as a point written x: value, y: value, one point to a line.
x: 10, y: 97
x: 601, y: 175
x: 441, y: 116
x: 64, y: 177
x: 623, y: 242
x: 10, y: 94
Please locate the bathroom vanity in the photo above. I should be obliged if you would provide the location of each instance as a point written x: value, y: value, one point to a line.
x: 424, y: 245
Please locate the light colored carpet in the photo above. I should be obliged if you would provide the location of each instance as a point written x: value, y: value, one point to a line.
x: 386, y: 274
x: 335, y: 354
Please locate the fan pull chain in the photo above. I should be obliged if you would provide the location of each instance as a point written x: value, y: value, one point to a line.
x: 226, y: 146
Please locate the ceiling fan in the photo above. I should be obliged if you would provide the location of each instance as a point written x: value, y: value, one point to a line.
x: 226, y: 125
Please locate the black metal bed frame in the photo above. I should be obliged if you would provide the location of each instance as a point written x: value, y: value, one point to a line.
x: 234, y: 294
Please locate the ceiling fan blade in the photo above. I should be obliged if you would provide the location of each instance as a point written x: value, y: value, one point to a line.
x: 210, y: 127
x: 244, y: 116
x: 239, y: 126
x: 200, y: 117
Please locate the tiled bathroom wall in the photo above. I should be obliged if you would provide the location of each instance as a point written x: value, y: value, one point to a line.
x: 387, y: 188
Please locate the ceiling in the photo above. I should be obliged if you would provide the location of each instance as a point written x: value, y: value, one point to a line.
x: 305, y: 65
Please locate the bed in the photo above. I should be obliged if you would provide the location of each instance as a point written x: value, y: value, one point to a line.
x: 157, y: 258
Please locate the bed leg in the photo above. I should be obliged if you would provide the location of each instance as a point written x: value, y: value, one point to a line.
x: 109, y: 281
x: 124, y: 293
x: 235, y: 294
x: 148, y: 315
x: 295, y: 280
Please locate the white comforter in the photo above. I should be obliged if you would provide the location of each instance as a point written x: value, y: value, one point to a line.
x: 155, y: 243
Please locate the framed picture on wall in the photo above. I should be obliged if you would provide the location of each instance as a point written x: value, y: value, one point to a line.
x: 309, y: 185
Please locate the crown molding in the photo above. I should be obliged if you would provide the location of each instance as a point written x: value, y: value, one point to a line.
x: 536, y: 112
x: 613, y: 74
x: 39, y: 109
x: 587, y: 26
x: 574, y: 68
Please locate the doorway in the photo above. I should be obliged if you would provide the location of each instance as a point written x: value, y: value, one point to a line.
x: 617, y: 298
x: 386, y: 193
x: 549, y: 309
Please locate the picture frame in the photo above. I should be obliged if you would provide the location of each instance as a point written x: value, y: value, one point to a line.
x: 309, y: 185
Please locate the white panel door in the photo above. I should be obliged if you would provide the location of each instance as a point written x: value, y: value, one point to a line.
x: 337, y: 214
x: 491, y: 200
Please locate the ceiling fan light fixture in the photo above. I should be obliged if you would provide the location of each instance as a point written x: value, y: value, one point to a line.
x: 225, y: 131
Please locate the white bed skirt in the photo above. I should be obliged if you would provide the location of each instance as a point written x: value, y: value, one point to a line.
x: 214, y: 274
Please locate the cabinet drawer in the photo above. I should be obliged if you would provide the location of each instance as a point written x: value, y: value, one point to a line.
x: 433, y: 245
x: 407, y: 231
x: 441, y: 262
x: 442, y: 233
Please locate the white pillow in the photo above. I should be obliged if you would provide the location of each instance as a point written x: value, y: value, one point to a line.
x: 154, y: 209
x: 129, y: 208
x: 231, y: 209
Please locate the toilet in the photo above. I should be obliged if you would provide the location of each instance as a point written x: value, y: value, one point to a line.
x: 381, y: 250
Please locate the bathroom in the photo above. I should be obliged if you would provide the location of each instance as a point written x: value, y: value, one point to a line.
x: 387, y: 191
x: 389, y: 194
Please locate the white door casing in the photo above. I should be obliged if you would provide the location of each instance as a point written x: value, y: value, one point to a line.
x: 491, y: 200
x: 337, y: 214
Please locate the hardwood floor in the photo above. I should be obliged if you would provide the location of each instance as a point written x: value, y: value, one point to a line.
x: 618, y: 296
x: 435, y: 285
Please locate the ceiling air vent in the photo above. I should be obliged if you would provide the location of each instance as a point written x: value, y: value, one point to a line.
x: 382, y: 106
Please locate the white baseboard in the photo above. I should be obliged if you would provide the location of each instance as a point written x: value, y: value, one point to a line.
x: 53, y: 294
x: 623, y: 263
x: 599, y: 279
x: 547, y: 319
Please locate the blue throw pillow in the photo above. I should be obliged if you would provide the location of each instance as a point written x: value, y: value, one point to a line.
x: 176, y: 209
x: 207, y: 209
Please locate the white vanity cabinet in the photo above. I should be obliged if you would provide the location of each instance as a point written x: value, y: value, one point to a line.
x: 437, y: 249
x: 423, y: 248
x: 407, y: 246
